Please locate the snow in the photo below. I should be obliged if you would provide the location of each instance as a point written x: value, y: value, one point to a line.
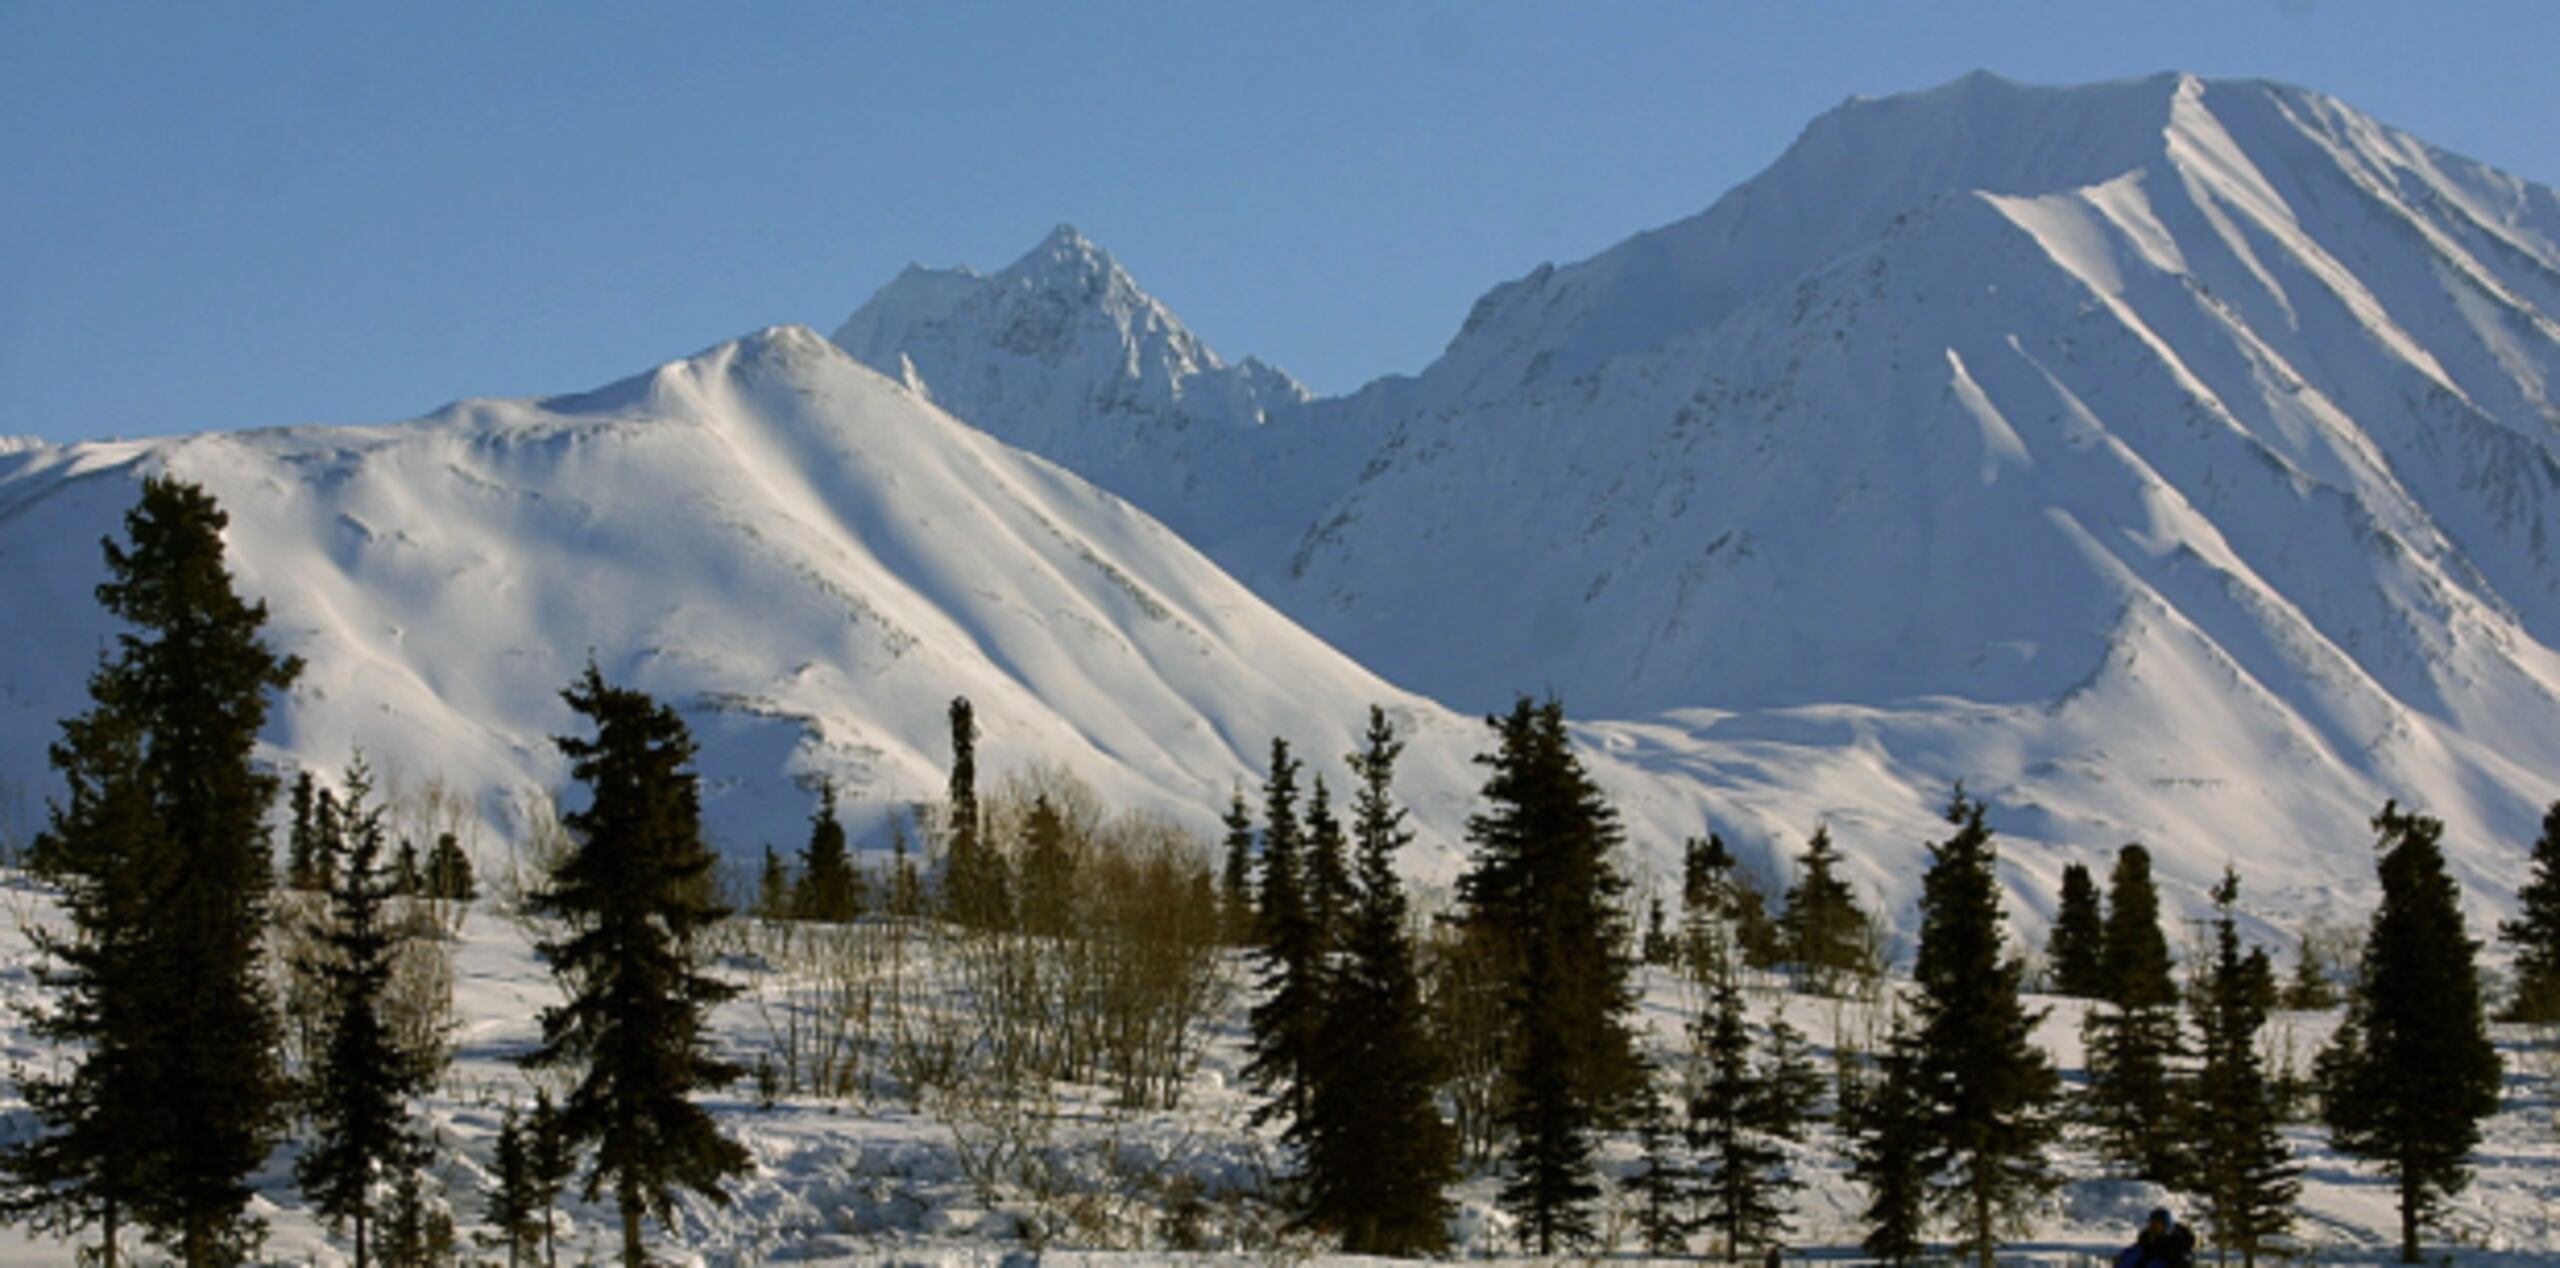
x: 2173, y: 456
x: 2168, y: 460
x: 875, y: 1179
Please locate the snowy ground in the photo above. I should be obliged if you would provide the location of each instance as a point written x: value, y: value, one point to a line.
x: 877, y: 1180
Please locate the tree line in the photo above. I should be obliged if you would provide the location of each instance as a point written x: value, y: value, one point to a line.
x: 1391, y: 1051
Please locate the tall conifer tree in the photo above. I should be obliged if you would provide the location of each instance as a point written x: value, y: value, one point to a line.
x: 2075, y: 951
x: 976, y: 890
x: 1329, y: 888
x: 2133, y: 1037
x: 364, y: 1083
x: 1544, y: 888
x: 1235, y: 876
x: 830, y: 888
x: 1741, y: 1111
x: 1379, y: 1156
x: 1289, y: 955
x: 1985, y: 1090
x: 100, y: 849
x: 634, y: 897
x: 1887, y: 1130
x: 1826, y: 935
x: 2244, y: 1171
x: 2411, y: 1072
x: 176, y: 1007
x: 2535, y: 932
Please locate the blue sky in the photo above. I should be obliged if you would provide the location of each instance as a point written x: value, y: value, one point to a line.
x: 226, y: 216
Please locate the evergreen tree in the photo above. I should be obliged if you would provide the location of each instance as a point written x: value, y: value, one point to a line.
x: 1048, y: 872
x: 2075, y: 951
x: 1739, y: 1113
x: 1285, y: 1023
x: 2310, y: 989
x: 634, y: 899
x: 553, y: 1159
x: 1329, y: 893
x: 2244, y: 1171
x: 1985, y: 1089
x: 976, y: 890
x: 1824, y: 933
x: 1544, y: 890
x: 182, y: 1037
x: 1658, y: 947
x: 408, y: 875
x: 830, y: 888
x: 2412, y: 1072
x: 100, y: 849
x: 2535, y: 932
x: 361, y: 1089
x: 416, y: 1232
x: 1716, y: 891
x: 513, y: 1210
x: 773, y: 887
x: 449, y: 876
x: 1379, y: 1157
x: 2133, y: 1037
x: 1235, y: 878
x: 302, y: 839
x: 1664, y: 1182
x: 1887, y: 1131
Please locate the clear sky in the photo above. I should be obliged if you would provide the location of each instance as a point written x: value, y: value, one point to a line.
x: 218, y: 216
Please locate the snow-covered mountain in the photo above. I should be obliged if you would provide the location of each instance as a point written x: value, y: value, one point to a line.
x: 1061, y: 353
x: 2171, y: 459
x: 808, y: 559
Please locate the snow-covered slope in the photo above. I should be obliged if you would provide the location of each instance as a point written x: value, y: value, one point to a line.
x: 807, y: 559
x: 2171, y: 459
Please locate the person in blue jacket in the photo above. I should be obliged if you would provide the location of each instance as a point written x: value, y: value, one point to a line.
x: 2163, y: 1243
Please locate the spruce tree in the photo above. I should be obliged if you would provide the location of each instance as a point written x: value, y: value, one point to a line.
x: 1715, y: 889
x: 2411, y: 1072
x: 1665, y: 1180
x: 774, y: 899
x: 1985, y: 1089
x: 634, y: 898
x: 302, y: 839
x: 2244, y: 1173
x: 363, y: 1084
x: 1887, y: 1129
x: 553, y: 1159
x: 1544, y: 889
x: 2133, y: 1037
x: 1379, y: 1157
x: 2535, y: 932
x: 2310, y: 989
x: 1740, y: 1113
x: 174, y: 1005
x: 1329, y: 892
x: 100, y: 849
x: 976, y: 890
x: 449, y: 876
x: 512, y: 1209
x: 1048, y: 872
x: 2075, y: 950
x: 1235, y: 877
x: 830, y: 889
x: 1288, y: 956
x: 1824, y: 932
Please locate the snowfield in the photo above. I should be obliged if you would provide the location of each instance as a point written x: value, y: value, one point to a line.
x: 873, y: 1178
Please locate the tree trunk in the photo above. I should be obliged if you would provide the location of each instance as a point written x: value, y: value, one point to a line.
x: 632, y: 1254
x: 2409, y: 1200
x: 107, y: 1224
x: 363, y: 1249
